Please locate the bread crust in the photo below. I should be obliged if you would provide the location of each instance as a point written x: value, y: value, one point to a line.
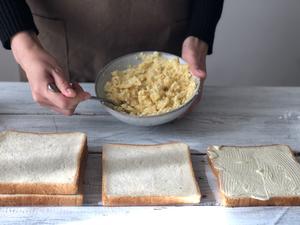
x: 147, y: 200
x: 240, y: 202
x: 41, y: 200
x: 50, y: 188
x: 109, y: 200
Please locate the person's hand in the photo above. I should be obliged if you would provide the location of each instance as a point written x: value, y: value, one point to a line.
x: 41, y: 69
x: 194, y: 52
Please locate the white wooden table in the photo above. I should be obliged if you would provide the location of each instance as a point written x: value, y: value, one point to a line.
x: 226, y: 115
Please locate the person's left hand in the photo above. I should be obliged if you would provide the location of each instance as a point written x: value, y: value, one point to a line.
x: 194, y: 52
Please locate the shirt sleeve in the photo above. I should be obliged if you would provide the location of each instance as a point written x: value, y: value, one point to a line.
x: 15, y: 16
x: 205, y: 15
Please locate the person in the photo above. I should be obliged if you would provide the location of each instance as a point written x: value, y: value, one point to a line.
x: 64, y: 41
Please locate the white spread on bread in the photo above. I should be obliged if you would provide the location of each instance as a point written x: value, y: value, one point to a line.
x: 260, y: 172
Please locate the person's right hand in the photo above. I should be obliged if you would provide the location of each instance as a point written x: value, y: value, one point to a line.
x: 41, y: 69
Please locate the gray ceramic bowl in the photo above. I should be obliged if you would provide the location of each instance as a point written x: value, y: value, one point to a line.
x: 122, y: 63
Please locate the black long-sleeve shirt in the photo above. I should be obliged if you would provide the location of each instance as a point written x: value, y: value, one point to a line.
x: 15, y: 16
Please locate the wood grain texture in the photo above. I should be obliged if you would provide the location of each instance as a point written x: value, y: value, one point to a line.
x: 226, y: 115
x: 150, y: 215
x: 230, y: 116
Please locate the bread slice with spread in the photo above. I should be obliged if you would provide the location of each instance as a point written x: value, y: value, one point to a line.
x: 256, y: 175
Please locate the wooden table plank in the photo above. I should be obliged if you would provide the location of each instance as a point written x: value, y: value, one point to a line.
x: 282, y: 102
x: 150, y: 215
x: 244, y: 115
x: 227, y: 115
x: 199, y: 132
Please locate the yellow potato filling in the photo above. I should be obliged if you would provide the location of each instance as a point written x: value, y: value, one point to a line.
x: 157, y: 85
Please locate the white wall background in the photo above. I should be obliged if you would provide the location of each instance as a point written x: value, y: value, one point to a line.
x: 257, y: 43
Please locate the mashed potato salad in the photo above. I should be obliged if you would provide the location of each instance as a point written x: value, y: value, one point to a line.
x: 156, y: 85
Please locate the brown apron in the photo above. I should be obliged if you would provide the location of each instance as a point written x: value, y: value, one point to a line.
x: 84, y: 35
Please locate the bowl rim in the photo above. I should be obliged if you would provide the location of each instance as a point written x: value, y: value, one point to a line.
x: 196, y: 93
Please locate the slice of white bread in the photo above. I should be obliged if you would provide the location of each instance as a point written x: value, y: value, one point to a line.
x: 40, y: 200
x: 41, y: 163
x: 256, y: 175
x: 148, y: 175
